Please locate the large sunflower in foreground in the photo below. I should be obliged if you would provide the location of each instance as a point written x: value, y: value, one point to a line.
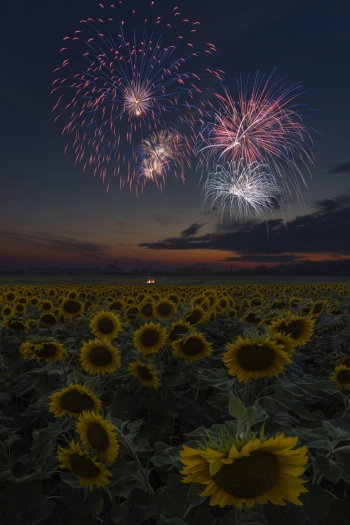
x: 192, y: 347
x: 145, y: 374
x: 288, y: 345
x: 88, y: 471
x: 99, y: 357
x: 98, y: 434
x: 299, y: 328
x: 149, y: 338
x: 105, y: 324
x: 253, y: 359
x: 259, y: 472
x: 72, y: 400
x: 341, y: 374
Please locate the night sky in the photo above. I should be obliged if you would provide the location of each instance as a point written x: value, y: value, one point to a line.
x: 54, y: 214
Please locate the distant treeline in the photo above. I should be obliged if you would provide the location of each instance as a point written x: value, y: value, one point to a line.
x: 336, y: 267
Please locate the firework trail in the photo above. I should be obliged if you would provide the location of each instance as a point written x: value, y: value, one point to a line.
x: 265, y: 127
x: 245, y: 188
x: 123, y: 84
x: 160, y: 154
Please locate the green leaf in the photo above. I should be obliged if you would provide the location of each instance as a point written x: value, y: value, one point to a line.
x: 289, y: 515
x: 172, y: 521
x: 41, y: 510
x: 171, y: 499
x: 316, y: 502
x: 236, y: 408
x: 202, y: 516
x: 134, y: 425
x: 334, y: 471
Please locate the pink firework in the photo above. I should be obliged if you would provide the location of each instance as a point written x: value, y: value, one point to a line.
x: 265, y: 127
x: 119, y: 83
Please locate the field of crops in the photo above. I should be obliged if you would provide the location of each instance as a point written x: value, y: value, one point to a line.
x: 174, y: 404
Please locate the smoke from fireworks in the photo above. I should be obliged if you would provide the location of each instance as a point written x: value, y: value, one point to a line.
x: 245, y: 188
x: 121, y: 85
x: 161, y: 153
x: 264, y: 127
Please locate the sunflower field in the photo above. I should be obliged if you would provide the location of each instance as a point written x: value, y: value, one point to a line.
x: 175, y: 405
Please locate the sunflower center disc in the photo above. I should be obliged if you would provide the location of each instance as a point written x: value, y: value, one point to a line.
x: 164, y: 309
x: 177, y: 330
x: 343, y: 376
x: 97, y: 436
x: 145, y: 373
x: 150, y: 338
x: 71, y: 307
x: 17, y: 325
x: 48, y: 319
x: 250, y: 476
x: 76, y: 401
x: 83, y: 466
x: 194, y: 317
x: 251, y: 318
x: 318, y: 308
x: 147, y: 310
x: 48, y: 350
x: 192, y: 346
x: 294, y: 328
x: 100, y: 356
x: 115, y: 306
x: 255, y: 357
x: 46, y: 306
x: 105, y: 325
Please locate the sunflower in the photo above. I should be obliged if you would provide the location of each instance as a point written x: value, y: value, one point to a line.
x: 99, y: 356
x: 300, y: 329
x: 231, y: 313
x: 259, y: 472
x: 10, y: 296
x: 52, y: 292
x: 7, y: 311
x: 116, y: 305
x: 42, y: 348
x: 288, y: 345
x: 72, y: 400
x: 98, y: 434
x: 132, y: 313
x: 342, y: 376
x: 251, y: 318
x: 88, y: 471
x: 192, y: 347
x: 20, y: 308
x: 146, y: 310
x: 197, y: 315
x: 69, y: 307
x: 222, y: 304
x: 46, y: 306
x: 317, y: 308
x: 16, y: 323
x: 145, y: 374
x: 164, y: 308
x: 177, y: 329
x: 254, y: 358
x: 105, y: 325
x: 48, y: 319
x: 149, y: 338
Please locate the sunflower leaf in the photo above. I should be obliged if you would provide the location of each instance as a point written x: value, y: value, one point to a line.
x: 236, y: 408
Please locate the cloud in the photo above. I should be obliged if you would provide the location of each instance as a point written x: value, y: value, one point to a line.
x: 262, y: 258
x: 43, y: 241
x: 192, y: 230
x: 341, y: 168
x: 325, y: 230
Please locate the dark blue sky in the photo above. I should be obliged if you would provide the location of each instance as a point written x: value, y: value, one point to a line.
x: 53, y: 213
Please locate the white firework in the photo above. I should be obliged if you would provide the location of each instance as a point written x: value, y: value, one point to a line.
x: 245, y: 188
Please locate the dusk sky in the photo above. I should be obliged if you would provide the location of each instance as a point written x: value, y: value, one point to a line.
x: 54, y: 214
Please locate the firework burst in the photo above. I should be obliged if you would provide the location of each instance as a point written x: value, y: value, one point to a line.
x: 245, y: 188
x: 160, y: 154
x: 265, y: 127
x: 121, y: 85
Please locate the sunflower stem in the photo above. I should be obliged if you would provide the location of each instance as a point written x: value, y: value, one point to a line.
x: 247, y: 393
x: 238, y: 516
x: 64, y: 370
